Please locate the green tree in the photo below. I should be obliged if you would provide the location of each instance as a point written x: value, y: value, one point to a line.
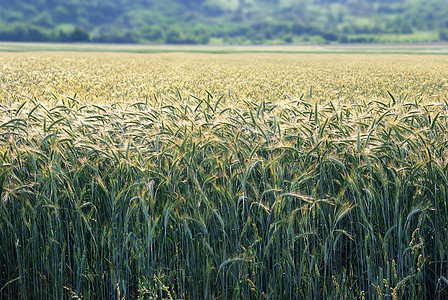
x: 80, y: 35
x: 153, y: 33
x: 174, y: 36
x: 443, y: 34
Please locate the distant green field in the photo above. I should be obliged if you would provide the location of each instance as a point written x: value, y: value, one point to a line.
x: 409, y: 48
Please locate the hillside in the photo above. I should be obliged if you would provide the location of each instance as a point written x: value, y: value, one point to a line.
x: 224, y: 21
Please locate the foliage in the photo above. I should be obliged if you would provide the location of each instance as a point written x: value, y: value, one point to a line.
x: 257, y: 21
x: 443, y: 34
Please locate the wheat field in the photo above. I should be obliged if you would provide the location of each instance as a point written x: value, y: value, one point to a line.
x: 223, y: 176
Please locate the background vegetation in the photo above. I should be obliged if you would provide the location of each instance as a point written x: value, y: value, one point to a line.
x: 217, y: 21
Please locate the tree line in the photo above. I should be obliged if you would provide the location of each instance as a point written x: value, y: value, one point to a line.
x: 236, y: 21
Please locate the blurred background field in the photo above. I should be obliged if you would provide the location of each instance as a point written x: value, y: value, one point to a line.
x: 380, y: 48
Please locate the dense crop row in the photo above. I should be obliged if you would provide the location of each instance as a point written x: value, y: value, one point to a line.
x: 109, y: 78
x: 199, y: 199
